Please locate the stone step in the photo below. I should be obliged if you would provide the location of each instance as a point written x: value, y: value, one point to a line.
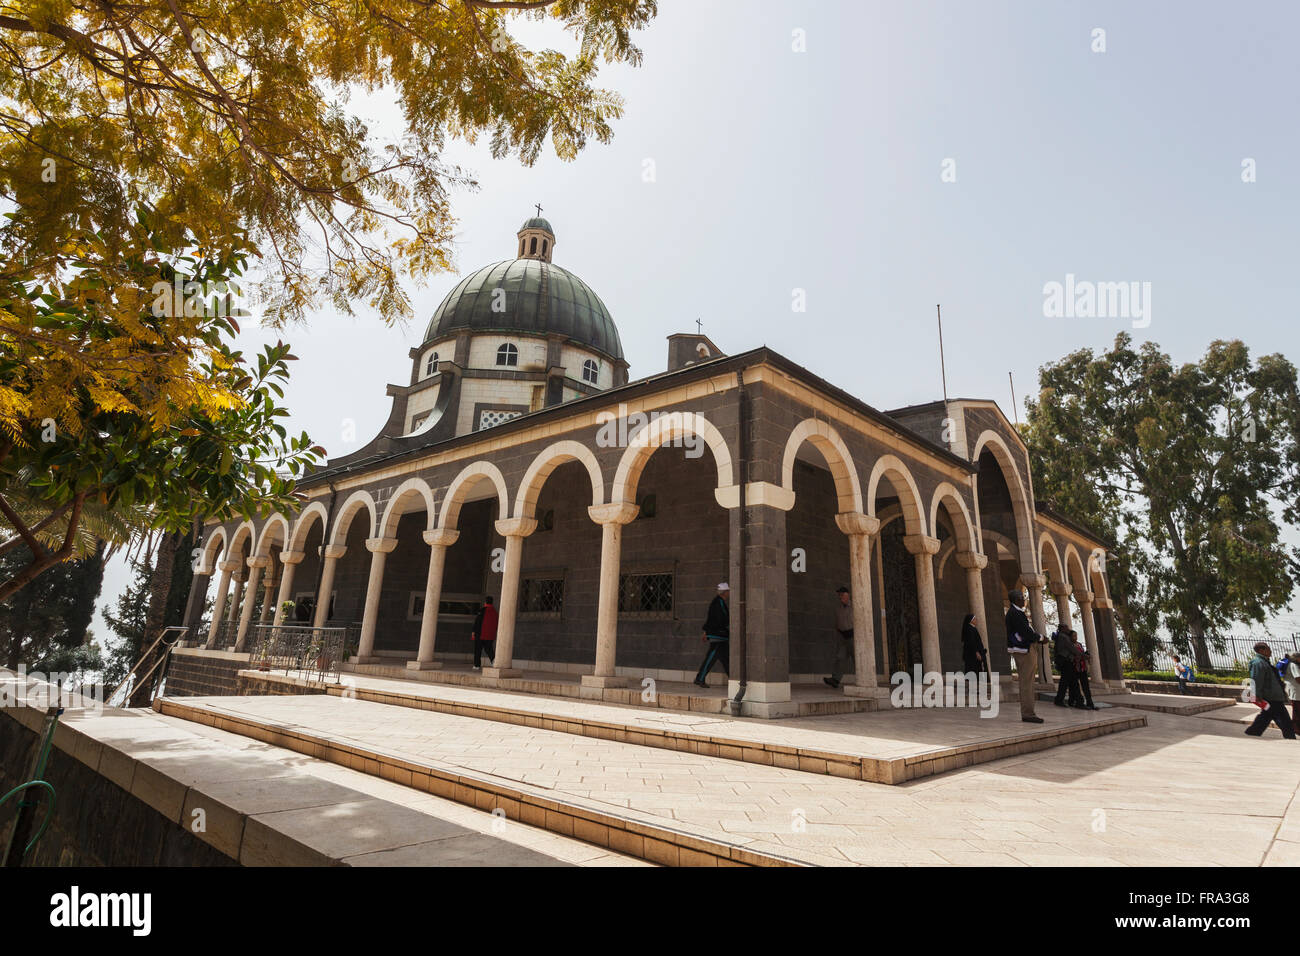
x: 533, y: 806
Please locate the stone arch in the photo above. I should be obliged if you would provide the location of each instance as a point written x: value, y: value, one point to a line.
x: 1019, y: 496
x: 313, y: 512
x: 1096, y: 563
x: 469, y: 475
x: 909, y: 497
x: 244, y: 531
x: 547, y: 460
x: 354, y: 503
x: 1074, y: 562
x: 264, y: 541
x: 208, y: 556
x: 1057, y: 570
x: 411, y: 488
x: 945, y: 496
x: 655, y: 435
x: 837, y: 456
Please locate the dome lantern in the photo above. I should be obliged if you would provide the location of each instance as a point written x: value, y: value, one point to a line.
x: 536, y: 238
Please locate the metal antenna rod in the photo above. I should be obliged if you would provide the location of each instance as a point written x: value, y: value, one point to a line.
x: 1015, y: 409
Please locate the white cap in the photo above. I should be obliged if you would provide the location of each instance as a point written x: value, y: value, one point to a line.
x: 724, y: 586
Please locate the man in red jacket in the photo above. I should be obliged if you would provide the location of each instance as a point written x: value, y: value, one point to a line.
x: 485, y: 633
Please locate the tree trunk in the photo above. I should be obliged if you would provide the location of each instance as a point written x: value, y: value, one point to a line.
x: 160, y: 583
x: 1199, y: 648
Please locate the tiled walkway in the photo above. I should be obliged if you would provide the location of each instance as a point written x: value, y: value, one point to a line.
x: 1131, y: 798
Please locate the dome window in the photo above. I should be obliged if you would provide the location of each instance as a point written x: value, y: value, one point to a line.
x: 590, y: 371
x: 544, y: 242
x: 508, y: 355
x: 532, y: 246
x: 431, y: 364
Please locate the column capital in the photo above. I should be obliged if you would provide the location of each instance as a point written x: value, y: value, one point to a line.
x: 855, y: 522
x: 230, y: 567
x: 1103, y: 604
x: 384, y: 545
x: 1034, y: 580
x: 441, y: 537
x: 259, y: 560
x: 1084, y: 597
x: 972, y: 560
x: 292, y: 557
x: 516, y: 527
x: 335, y: 551
x: 616, y: 512
x: 1061, y: 591
x: 921, y: 544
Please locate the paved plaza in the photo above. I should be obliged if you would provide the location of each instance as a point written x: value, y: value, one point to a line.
x: 1183, y: 789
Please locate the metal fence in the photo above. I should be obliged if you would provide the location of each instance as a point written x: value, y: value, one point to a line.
x: 310, y: 653
x: 1225, y: 653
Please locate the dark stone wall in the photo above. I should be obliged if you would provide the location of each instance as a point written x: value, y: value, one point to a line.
x: 96, y: 822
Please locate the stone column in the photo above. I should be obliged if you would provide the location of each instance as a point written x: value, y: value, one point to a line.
x: 290, y: 561
x: 257, y: 569
x: 268, y: 582
x: 1034, y: 583
x: 924, y: 548
x: 766, y: 619
x: 380, y: 549
x: 514, y: 530
x: 223, y: 589
x: 611, y: 518
x: 331, y: 554
x: 1089, y: 634
x: 1110, y: 666
x: 860, y: 528
x: 1061, y: 592
x: 975, y: 563
x: 438, y: 541
x: 236, y: 599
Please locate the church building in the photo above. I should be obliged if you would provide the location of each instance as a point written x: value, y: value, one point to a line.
x: 601, y: 514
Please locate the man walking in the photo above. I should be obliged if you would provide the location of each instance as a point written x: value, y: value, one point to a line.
x: 717, y: 634
x: 1067, y: 662
x: 485, y: 633
x: 1268, y: 690
x: 1022, y: 644
x: 844, y: 643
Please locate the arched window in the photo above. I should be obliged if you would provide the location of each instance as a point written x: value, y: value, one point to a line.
x: 521, y: 247
x: 431, y: 364
x: 590, y: 370
x: 507, y: 355
x: 544, y: 244
x: 532, y: 246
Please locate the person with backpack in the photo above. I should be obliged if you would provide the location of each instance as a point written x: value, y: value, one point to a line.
x: 1085, y: 688
x: 1269, y: 695
x: 484, y: 633
x: 1183, y: 674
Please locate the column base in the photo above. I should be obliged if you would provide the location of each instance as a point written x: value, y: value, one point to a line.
x: 423, y: 665
x: 498, y: 673
x: 857, y: 690
x: 594, y: 680
x: 365, y: 660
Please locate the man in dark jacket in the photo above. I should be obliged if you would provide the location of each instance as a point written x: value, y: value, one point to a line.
x: 717, y: 634
x: 844, y: 643
x: 485, y: 633
x: 1067, y: 662
x: 1269, y: 690
x: 1022, y: 645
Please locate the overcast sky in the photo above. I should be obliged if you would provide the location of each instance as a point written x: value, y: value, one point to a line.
x: 963, y: 153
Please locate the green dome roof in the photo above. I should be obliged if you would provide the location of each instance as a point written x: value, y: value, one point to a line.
x: 540, y: 297
x: 537, y: 223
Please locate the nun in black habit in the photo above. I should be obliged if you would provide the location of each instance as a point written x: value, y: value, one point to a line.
x: 974, y: 654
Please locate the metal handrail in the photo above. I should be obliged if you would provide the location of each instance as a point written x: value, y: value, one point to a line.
x: 177, y: 633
